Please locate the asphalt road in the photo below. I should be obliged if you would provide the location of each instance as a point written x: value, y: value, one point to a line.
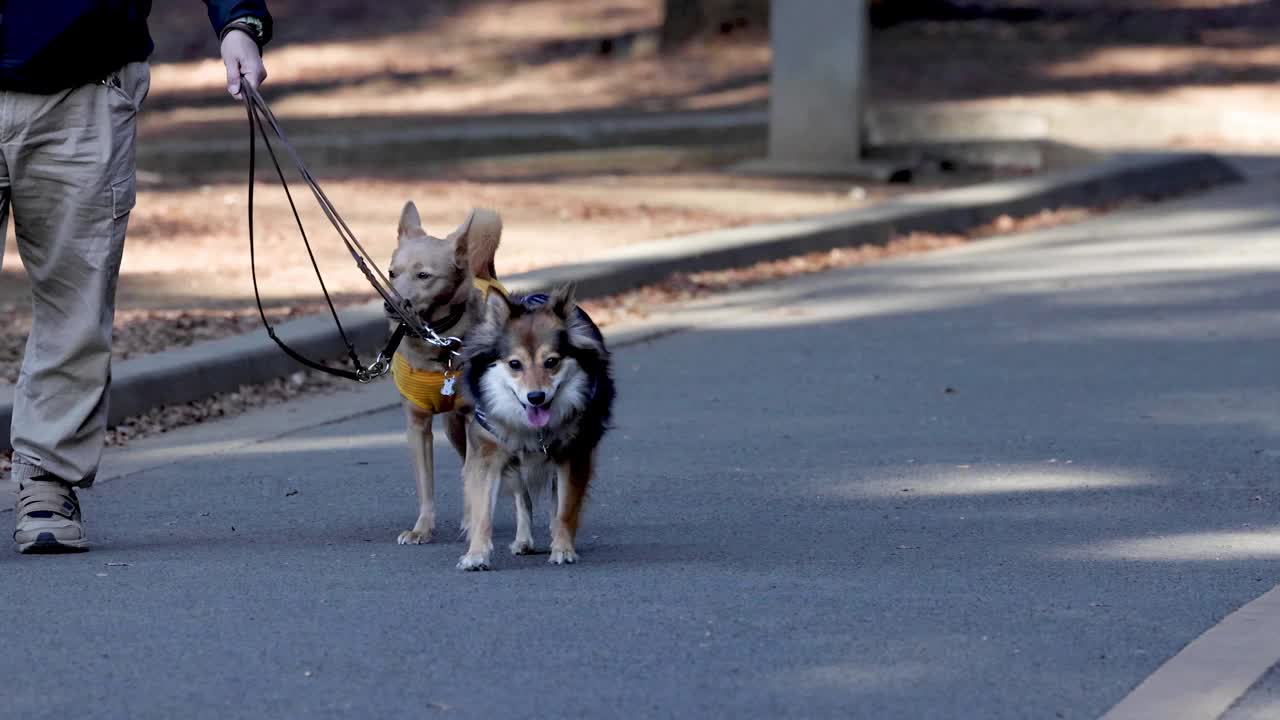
x: 1007, y: 481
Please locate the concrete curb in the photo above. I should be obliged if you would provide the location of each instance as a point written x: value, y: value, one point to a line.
x: 445, y: 142
x: 1215, y: 670
x: 1097, y: 125
x: 195, y: 372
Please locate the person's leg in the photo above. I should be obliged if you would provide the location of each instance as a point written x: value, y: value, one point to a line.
x: 4, y: 205
x: 7, y: 488
x: 70, y: 159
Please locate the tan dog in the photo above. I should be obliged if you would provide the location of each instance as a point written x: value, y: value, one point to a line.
x: 447, y: 281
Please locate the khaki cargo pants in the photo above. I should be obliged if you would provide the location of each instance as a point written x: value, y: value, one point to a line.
x: 67, y: 172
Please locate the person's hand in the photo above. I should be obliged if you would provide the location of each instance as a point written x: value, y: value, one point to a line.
x: 241, y: 56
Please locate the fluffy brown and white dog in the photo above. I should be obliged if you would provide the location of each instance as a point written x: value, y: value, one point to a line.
x: 539, y: 380
x: 446, y: 280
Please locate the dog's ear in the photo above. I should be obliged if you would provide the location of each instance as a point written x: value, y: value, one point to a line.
x: 410, y: 221
x: 583, y: 334
x: 563, y: 300
x: 461, y: 241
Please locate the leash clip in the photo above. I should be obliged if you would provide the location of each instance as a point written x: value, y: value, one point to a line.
x: 430, y: 336
x: 380, y: 367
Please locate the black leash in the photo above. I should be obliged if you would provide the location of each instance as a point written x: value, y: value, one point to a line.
x: 260, y: 118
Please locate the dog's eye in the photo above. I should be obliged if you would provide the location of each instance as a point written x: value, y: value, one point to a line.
x: 391, y: 274
x: 515, y: 365
x: 551, y: 363
x: 424, y: 275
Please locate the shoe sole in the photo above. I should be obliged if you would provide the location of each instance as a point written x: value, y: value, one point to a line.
x: 46, y: 544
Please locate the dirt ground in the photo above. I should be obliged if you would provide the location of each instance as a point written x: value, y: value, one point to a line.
x: 346, y: 65
x: 186, y: 273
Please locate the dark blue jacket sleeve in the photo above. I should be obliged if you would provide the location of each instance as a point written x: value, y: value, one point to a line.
x: 222, y: 12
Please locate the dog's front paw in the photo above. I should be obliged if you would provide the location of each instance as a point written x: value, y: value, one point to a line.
x: 522, y: 547
x: 563, y: 557
x: 414, y: 537
x: 474, y: 561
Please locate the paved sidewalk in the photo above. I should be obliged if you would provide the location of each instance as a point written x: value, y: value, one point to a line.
x: 1007, y: 481
x: 1262, y: 702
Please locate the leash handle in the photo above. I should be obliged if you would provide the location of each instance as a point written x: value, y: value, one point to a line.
x: 361, y: 373
x: 260, y: 117
x: 402, y: 307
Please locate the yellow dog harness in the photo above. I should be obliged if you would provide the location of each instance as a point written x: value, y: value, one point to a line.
x: 430, y: 390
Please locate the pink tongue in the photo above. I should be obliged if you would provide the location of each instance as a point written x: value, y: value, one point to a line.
x: 538, y: 416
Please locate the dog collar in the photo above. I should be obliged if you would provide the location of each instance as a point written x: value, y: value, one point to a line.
x: 483, y: 420
x: 457, y: 310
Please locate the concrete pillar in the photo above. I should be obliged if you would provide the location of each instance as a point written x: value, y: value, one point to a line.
x: 817, y: 86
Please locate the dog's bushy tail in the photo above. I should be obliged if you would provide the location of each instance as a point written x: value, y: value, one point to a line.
x: 484, y: 232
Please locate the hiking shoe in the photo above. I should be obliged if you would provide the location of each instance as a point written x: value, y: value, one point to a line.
x: 48, y: 517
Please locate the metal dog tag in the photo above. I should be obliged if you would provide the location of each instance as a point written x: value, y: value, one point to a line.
x: 447, y: 390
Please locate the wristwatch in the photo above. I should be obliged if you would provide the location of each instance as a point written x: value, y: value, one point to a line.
x: 249, y: 25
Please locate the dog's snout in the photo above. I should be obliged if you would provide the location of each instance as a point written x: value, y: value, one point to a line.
x: 537, y: 398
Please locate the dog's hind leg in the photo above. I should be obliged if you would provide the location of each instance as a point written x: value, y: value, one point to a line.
x: 420, y: 449
x: 572, y: 479
x: 455, y: 428
x: 523, y: 544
